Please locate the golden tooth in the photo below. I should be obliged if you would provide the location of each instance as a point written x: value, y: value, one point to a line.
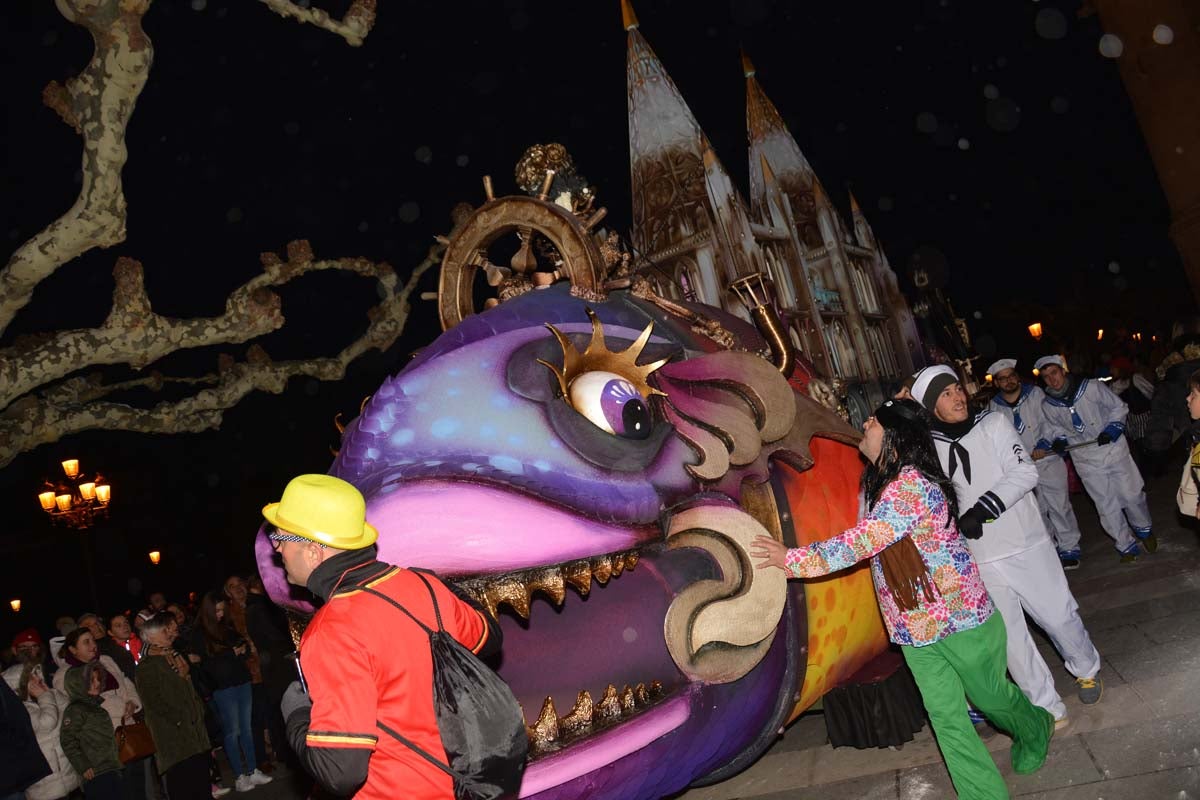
x: 656, y: 690
x: 580, y: 718
x: 549, y: 581
x: 618, y: 564
x: 628, y: 701
x: 545, y: 730
x: 602, y: 568
x: 631, y: 559
x: 639, y: 691
x: 579, y: 575
x: 609, y: 705
x: 512, y: 592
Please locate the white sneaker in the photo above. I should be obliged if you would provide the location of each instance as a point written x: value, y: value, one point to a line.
x: 258, y: 778
x: 220, y: 791
x: 244, y: 783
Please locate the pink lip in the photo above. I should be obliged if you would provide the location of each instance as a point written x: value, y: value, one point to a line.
x: 606, y: 747
x: 493, y: 530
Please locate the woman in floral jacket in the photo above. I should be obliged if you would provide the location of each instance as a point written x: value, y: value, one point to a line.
x: 933, y: 601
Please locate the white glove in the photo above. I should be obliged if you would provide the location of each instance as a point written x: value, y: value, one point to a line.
x: 294, y: 699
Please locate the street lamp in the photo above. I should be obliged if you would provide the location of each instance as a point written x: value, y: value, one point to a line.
x: 16, y: 605
x: 79, y: 501
x: 155, y: 557
x: 1035, y: 330
x: 1100, y: 334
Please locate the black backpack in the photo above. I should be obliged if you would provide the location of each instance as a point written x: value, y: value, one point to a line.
x: 480, y: 722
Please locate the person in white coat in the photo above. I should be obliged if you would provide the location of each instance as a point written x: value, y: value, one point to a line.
x: 994, y: 478
x: 45, y: 706
x: 1022, y: 404
x: 1085, y: 416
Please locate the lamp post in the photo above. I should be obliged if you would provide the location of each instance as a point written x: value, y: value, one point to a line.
x: 15, y: 604
x: 79, y: 502
x: 754, y: 292
x: 155, y: 557
x: 1035, y: 330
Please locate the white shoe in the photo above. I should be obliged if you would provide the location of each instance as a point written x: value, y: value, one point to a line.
x: 258, y: 778
x: 244, y: 783
x: 220, y: 791
x: 1062, y: 722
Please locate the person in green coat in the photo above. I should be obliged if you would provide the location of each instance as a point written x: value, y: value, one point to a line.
x: 87, y: 734
x: 174, y: 712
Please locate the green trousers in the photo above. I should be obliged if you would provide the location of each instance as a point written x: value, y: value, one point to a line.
x: 972, y: 663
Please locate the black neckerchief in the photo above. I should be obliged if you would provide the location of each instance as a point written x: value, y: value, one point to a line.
x: 955, y: 431
x: 347, y: 568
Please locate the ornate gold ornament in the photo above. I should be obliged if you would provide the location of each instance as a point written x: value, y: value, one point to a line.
x: 596, y: 357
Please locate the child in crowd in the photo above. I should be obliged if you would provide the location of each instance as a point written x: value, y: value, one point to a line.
x: 87, y: 734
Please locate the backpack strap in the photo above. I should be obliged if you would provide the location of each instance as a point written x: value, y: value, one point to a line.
x: 411, y: 746
x: 429, y: 631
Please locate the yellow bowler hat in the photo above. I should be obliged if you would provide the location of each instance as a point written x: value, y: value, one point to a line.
x: 325, y: 509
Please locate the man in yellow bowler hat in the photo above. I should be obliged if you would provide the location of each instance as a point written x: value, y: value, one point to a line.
x: 365, y: 663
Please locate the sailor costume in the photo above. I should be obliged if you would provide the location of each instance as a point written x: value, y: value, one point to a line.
x: 1053, y: 498
x: 1088, y: 413
x: 991, y: 472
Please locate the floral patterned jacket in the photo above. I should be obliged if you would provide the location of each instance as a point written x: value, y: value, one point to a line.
x: 908, y: 506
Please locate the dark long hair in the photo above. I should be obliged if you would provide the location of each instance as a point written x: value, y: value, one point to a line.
x: 219, y: 636
x: 906, y: 442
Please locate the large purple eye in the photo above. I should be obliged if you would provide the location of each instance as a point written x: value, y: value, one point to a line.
x: 612, y: 404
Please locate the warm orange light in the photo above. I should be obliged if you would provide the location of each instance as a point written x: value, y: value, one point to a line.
x: 987, y: 378
x: 47, y: 500
x: 71, y: 467
x: 155, y: 556
x: 1100, y: 334
x: 15, y: 603
x: 88, y: 490
x: 1036, y: 372
x: 1035, y: 330
x: 63, y: 501
x: 103, y: 493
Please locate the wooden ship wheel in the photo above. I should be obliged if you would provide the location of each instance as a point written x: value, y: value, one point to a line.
x: 573, y: 252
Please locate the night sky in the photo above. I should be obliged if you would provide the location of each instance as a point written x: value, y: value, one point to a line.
x: 991, y: 135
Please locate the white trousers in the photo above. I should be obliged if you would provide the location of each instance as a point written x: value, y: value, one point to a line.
x: 1115, y: 486
x: 1054, y: 501
x: 1033, y: 582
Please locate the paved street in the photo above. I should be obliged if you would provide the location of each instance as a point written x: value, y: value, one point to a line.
x: 1141, y: 741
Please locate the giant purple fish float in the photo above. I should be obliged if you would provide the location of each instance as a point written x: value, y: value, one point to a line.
x: 591, y: 460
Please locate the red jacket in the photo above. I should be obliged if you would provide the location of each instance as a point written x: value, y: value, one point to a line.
x: 365, y: 661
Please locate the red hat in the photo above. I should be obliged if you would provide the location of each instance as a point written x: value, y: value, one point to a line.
x: 26, y: 636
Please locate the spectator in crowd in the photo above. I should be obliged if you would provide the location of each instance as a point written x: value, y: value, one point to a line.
x: 94, y: 624
x: 269, y: 632
x: 235, y: 610
x: 119, y: 644
x: 1138, y: 393
x: 222, y: 653
x: 1189, y: 485
x: 118, y: 697
x: 46, y: 707
x: 87, y: 736
x: 1168, y: 408
x: 65, y: 625
x: 23, y: 764
x: 174, y: 712
x: 28, y: 649
x: 156, y: 602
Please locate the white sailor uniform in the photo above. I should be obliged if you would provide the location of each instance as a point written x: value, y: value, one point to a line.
x: 1016, y: 557
x: 1053, y: 497
x: 1107, y: 471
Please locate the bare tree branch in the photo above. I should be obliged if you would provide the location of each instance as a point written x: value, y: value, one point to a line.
x: 98, y: 104
x: 133, y: 334
x: 353, y: 26
x: 73, y: 405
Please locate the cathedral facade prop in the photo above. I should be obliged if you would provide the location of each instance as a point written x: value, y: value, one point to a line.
x: 694, y: 235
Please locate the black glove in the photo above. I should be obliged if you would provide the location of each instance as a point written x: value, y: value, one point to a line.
x: 970, y: 524
x: 1103, y: 438
x: 1059, y: 446
x: 294, y: 699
